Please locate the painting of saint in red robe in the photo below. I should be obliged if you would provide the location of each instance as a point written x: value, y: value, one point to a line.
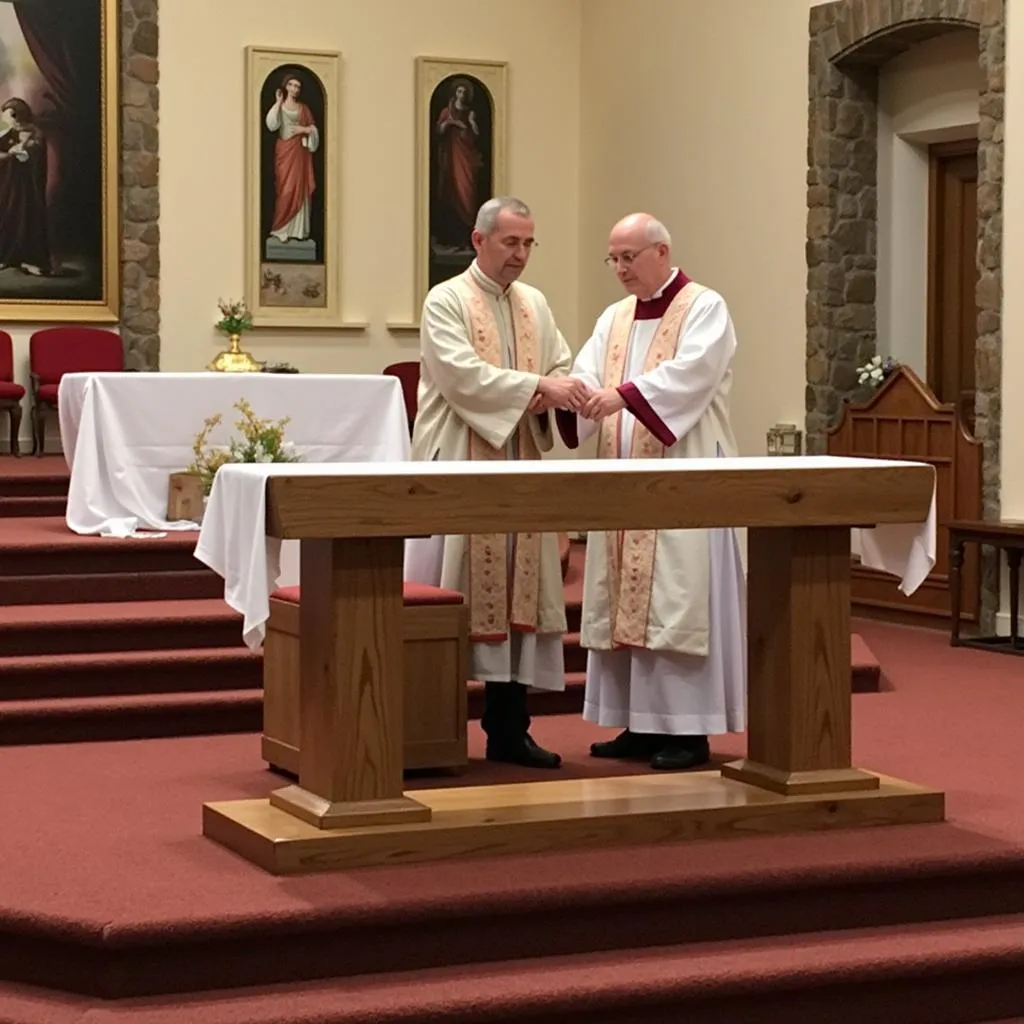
x: 292, y: 189
x: 461, y: 170
x: 52, y: 151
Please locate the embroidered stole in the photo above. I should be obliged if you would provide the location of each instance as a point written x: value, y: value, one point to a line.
x: 496, y: 601
x: 631, y: 552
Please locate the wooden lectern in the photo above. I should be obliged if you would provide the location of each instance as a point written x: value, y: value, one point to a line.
x: 349, y: 808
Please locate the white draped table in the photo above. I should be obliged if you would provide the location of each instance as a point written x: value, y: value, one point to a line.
x: 124, y: 434
x: 233, y: 541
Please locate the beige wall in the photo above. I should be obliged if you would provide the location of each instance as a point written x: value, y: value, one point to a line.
x: 680, y: 122
x: 201, y: 145
x: 703, y: 121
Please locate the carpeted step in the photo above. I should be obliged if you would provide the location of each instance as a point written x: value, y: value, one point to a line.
x: 573, y: 614
x: 133, y: 716
x: 32, y: 505
x: 43, y: 545
x: 867, y: 671
x: 189, y: 584
x: 938, y: 974
x: 575, y: 656
x: 114, y: 673
x: 43, y: 478
x: 117, y: 626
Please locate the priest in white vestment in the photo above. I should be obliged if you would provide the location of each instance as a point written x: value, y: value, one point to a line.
x: 664, y: 612
x: 493, y: 365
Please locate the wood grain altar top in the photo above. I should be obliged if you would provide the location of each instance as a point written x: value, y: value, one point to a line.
x: 404, y: 499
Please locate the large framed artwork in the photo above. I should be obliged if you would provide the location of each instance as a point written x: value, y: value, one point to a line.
x: 461, y: 115
x: 59, y: 158
x: 293, y: 213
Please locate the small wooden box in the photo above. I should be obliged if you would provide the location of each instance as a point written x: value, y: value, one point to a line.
x: 434, y: 700
x: 185, y: 497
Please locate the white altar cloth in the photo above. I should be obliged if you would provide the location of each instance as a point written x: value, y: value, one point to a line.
x: 233, y: 539
x: 124, y: 434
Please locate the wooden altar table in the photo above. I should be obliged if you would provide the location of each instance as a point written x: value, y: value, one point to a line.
x: 349, y: 808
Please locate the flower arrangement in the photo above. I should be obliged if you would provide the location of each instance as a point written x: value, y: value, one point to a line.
x: 877, y: 371
x: 234, y: 317
x: 261, y: 441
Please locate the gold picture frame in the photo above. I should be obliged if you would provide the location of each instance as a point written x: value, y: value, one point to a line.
x: 72, y: 270
x: 292, y: 188
x: 441, y: 243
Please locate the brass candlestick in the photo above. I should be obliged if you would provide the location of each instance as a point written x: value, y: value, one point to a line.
x: 234, y: 360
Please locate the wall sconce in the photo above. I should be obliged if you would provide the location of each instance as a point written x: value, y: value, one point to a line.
x: 785, y: 439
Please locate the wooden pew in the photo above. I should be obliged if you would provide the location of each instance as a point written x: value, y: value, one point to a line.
x: 904, y: 420
x: 349, y: 808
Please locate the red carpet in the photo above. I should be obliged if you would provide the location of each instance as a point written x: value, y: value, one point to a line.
x: 108, y: 889
x: 112, y: 890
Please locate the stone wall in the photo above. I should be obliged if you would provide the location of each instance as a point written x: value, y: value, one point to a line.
x: 140, y: 185
x: 849, y: 41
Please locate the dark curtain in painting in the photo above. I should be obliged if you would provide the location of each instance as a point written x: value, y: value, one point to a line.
x: 64, y: 39
x: 45, y: 29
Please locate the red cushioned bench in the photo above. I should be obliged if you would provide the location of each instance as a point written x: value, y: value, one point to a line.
x: 436, y: 627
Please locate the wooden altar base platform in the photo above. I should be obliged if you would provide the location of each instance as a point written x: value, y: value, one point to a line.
x: 565, y: 815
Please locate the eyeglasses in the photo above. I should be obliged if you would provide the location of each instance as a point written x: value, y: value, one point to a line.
x: 625, y: 258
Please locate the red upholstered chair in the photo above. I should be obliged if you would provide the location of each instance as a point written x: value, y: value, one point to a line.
x: 409, y: 376
x: 11, y: 393
x: 58, y: 350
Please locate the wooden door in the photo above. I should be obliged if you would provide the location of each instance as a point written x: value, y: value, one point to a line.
x: 952, y: 274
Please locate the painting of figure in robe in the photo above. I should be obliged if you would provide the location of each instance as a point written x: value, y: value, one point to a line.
x: 58, y: 160
x: 461, y: 171
x: 293, y: 189
x: 460, y: 160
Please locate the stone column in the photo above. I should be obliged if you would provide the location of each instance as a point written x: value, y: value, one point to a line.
x: 140, y: 185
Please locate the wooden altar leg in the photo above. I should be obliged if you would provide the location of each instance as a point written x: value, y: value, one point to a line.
x: 350, y: 759
x: 799, y: 735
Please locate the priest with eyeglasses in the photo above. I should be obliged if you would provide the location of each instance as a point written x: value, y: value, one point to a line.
x: 664, y: 611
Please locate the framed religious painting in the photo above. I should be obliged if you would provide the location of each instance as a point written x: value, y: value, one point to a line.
x: 59, y: 159
x: 293, y: 210
x: 461, y: 116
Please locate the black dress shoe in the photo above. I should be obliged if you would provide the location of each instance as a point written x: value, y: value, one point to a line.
x: 522, y: 751
x: 681, y: 753
x: 628, y: 745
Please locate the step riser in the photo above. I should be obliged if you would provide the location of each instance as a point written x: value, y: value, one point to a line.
x: 192, y: 585
x: 121, y: 724
x: 575, y: 658
x: 129, y: 681
x: 31, y: 507
x: 55, y: 562
x: 88, y: 639
x: 29, y: 487
x: 138, y: 969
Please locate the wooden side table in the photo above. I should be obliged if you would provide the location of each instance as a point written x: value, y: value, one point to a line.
x: 1004, y: 535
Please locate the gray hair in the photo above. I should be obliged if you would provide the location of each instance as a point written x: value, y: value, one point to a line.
x: 657, y: 233
x: 487, y: 217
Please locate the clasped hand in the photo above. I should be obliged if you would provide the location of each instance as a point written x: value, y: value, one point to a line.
x: 570, y: 393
